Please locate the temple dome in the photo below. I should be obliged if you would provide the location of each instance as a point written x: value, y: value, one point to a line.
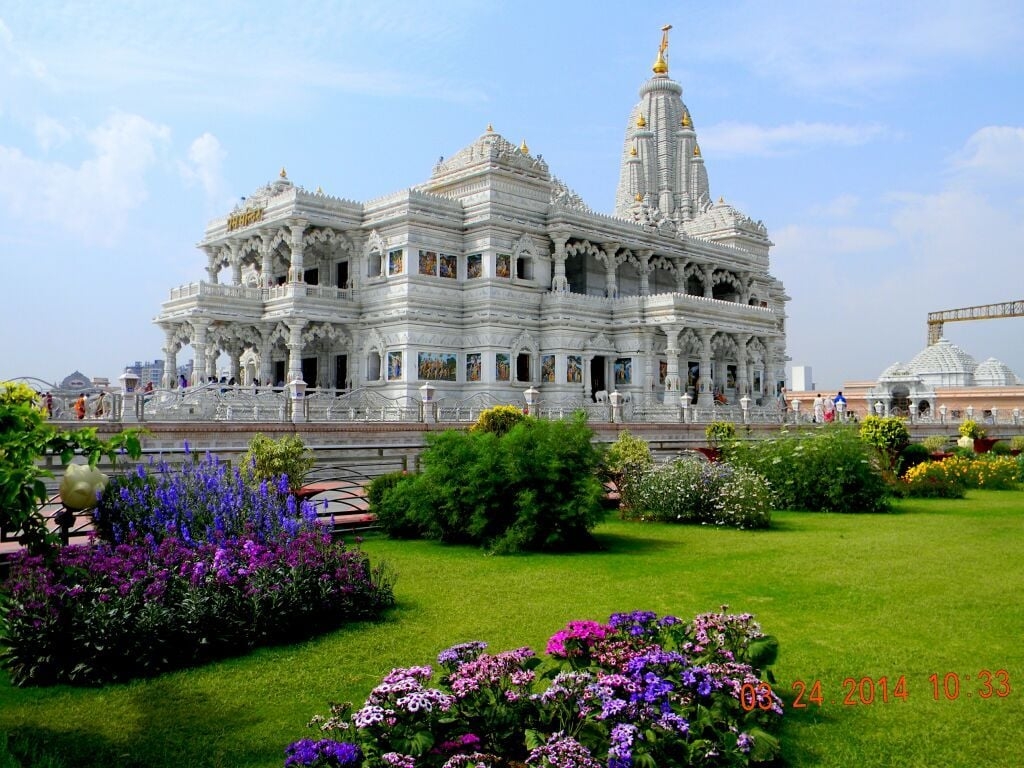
x: 944, y: 364
x: 994, y: 373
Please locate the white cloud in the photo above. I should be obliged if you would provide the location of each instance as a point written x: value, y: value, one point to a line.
x: 956, y: 246
x: 841, y: 207
x: 834, y: 49
x: 993, y: 152
x: 737, y: 139
x: 50, y: 133
x: 204, y: 166
x: 93, y: 199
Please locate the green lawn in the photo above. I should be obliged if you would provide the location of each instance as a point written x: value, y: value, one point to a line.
x: 933, y: 588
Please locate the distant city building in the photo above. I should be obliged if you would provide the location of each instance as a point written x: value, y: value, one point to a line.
x: 493, y: 275
x: 76, y: 380
x: 148, y: 373
x: 803, y: 378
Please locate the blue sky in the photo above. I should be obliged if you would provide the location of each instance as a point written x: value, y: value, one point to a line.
x: 881, y: 143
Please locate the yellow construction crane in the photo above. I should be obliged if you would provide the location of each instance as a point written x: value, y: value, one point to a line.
x: 982, y: 312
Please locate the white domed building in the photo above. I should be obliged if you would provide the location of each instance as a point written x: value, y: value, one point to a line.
x: 944, y: 376
x: 493, y: 276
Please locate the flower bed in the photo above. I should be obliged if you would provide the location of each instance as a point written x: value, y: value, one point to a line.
x: 199, y: 565
x: 638, y: 690
x: 694, y: 491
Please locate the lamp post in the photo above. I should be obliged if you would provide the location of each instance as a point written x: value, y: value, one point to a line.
x: 129, y: 400
x: 969, y: 411
x: 795, y: 402
x: 745, y: 408
x: 427, y: 396
x: 684, y: 403
x: 531, y: 399
x: 297, y: 389
x: 942, y: 413
x: 879, y: 408
x: 615, y: 398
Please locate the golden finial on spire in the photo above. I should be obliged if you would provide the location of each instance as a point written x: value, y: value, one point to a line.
x: 632, y: 151
x: 660, y: 65
x: 641, y: 122
x: 283, y: 174
x: 639, y: 198
x: 523, y: 148
x: 490, y: 128
x: 696, y: 150
x: 319, y: 189
x: 721, y: 200
x: 685, y: 122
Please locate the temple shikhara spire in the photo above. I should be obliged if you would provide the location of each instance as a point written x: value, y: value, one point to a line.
x: 493, y: 276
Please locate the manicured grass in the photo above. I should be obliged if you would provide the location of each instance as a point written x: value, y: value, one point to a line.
x: 930, y: 589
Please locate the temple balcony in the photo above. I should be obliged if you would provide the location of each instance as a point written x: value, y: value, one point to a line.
x: 659, y: 308
x: 253, y: 302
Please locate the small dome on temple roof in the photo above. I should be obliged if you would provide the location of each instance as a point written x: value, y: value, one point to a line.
x: 994, y: 373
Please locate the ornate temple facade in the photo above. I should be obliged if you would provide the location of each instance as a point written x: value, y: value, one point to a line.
x: 493, y: 276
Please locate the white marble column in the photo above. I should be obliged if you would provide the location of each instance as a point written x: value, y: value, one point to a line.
x: 611, y: 286
x: 705, y: 397
x: 297, y: 268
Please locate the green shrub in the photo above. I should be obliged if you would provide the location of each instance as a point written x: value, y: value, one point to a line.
x: 627, y: 452
x: 534, y: 488
x: 267, y: 459
x: 498, y: 420
x: 25, y: 437
x: 970, y: 428
x: 719, y: 432
x: 912, y: 455
x: 831, y: 470
x: 391, y: 515
x: 690, y: 490
x: 1017, y: 443
x: 888, y: 435
x: 935, y: 443
x: 1002, y: 448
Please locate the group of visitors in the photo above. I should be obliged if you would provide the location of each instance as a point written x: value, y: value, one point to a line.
x: 826, y: 408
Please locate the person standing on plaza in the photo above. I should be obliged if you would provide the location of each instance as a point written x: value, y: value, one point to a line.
x: 819, y: 409
x: 80, y: 406
x: 830, y: 410
x: 840, y: 403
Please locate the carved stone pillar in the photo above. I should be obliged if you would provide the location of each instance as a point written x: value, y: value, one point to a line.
x: 297, y: 268
x: 672, y: 381
x: 236, y: 264
x: 645, y: 271
x: 648, y: 351
x: 295, y: 350
x: 709, y: 286
x: 267, y: 259
x: 559, y: 283
x: 611, y: 286
x: 742, y: 382
x: 705, y: 397
x: 199, y: 369
x: 266, y: 364
x: 170, y: 359
x: 587, y: 384
x: 356, y: 259
x: 680, y: 265
x: 212, y: 268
